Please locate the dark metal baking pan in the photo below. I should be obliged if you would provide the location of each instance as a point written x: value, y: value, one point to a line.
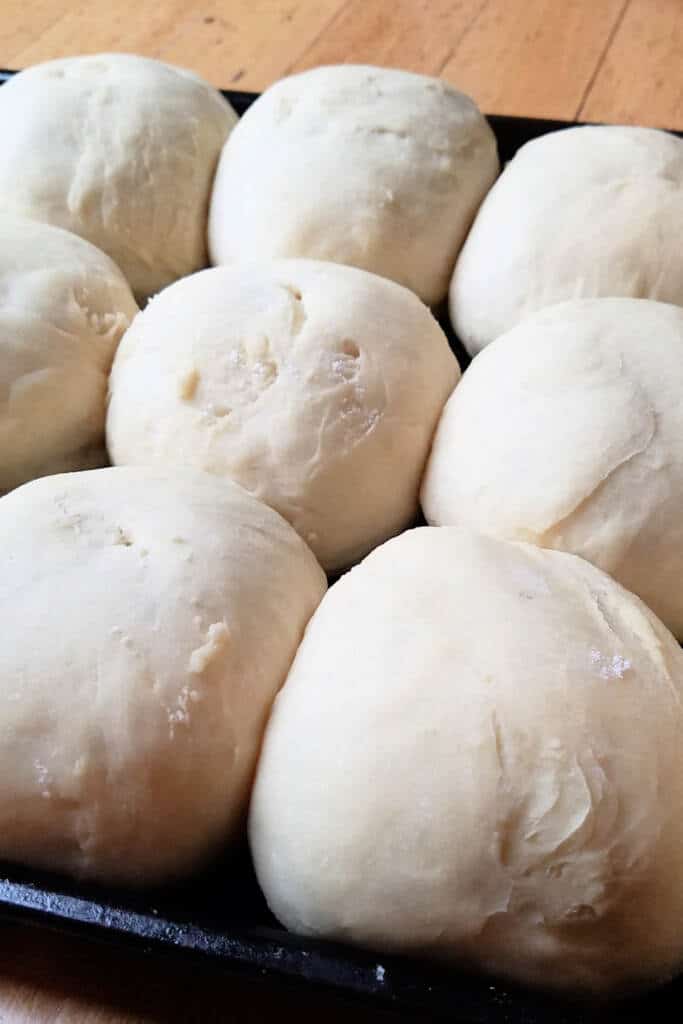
x: 222, y: 917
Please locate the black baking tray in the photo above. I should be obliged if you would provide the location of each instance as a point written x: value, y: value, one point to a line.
x: 221, y: 917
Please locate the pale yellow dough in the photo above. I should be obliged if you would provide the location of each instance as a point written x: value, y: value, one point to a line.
x: 373, y: 167
x: 63, y: 308
x: 477, y: 757
x: 121, y: 150
x: 568, y: 432
x: 584, y: 213
x: 316, y: 386
x: 148, y: 619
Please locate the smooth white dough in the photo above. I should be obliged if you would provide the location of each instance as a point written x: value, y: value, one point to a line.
x: 148, y: 618
x: 580, y: 213
x: 373, y: 167
x: 567, y: 432
x: 63, y: 308
x: 477, y: 756
x: 316, y: 386
x: 121, y: 150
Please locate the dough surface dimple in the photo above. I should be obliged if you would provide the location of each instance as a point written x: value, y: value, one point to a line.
x: 315, y: 386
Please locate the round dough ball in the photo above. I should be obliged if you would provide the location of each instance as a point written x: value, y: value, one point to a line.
x: 316, y: 386
x: 579, y: 213
x: 63, y: 308
x: 375, y: 168
x: 149, y: 620
x: 568, y: 434
x: 120, y: 150
x: 477, y: 757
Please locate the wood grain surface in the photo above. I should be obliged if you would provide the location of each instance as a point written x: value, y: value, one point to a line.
x: 640, y: 80
x: 608, y: 60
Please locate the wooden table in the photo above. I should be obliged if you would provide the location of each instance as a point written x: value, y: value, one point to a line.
x: 609, y: 60
x: 605, y: 60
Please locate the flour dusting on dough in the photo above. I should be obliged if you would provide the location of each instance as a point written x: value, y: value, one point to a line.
x: 610, y: 668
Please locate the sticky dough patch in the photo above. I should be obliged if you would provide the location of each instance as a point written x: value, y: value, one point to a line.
x: 216, y: 639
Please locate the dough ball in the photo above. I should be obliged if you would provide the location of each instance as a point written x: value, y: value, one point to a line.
x: 568, y: 433
x: 477, y: 757
x: 120, y: 150
x: 376, y: 168
x: 149, y: 618
x: 63, y: 308
x: 316, y: 386
x: 579, y: 213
